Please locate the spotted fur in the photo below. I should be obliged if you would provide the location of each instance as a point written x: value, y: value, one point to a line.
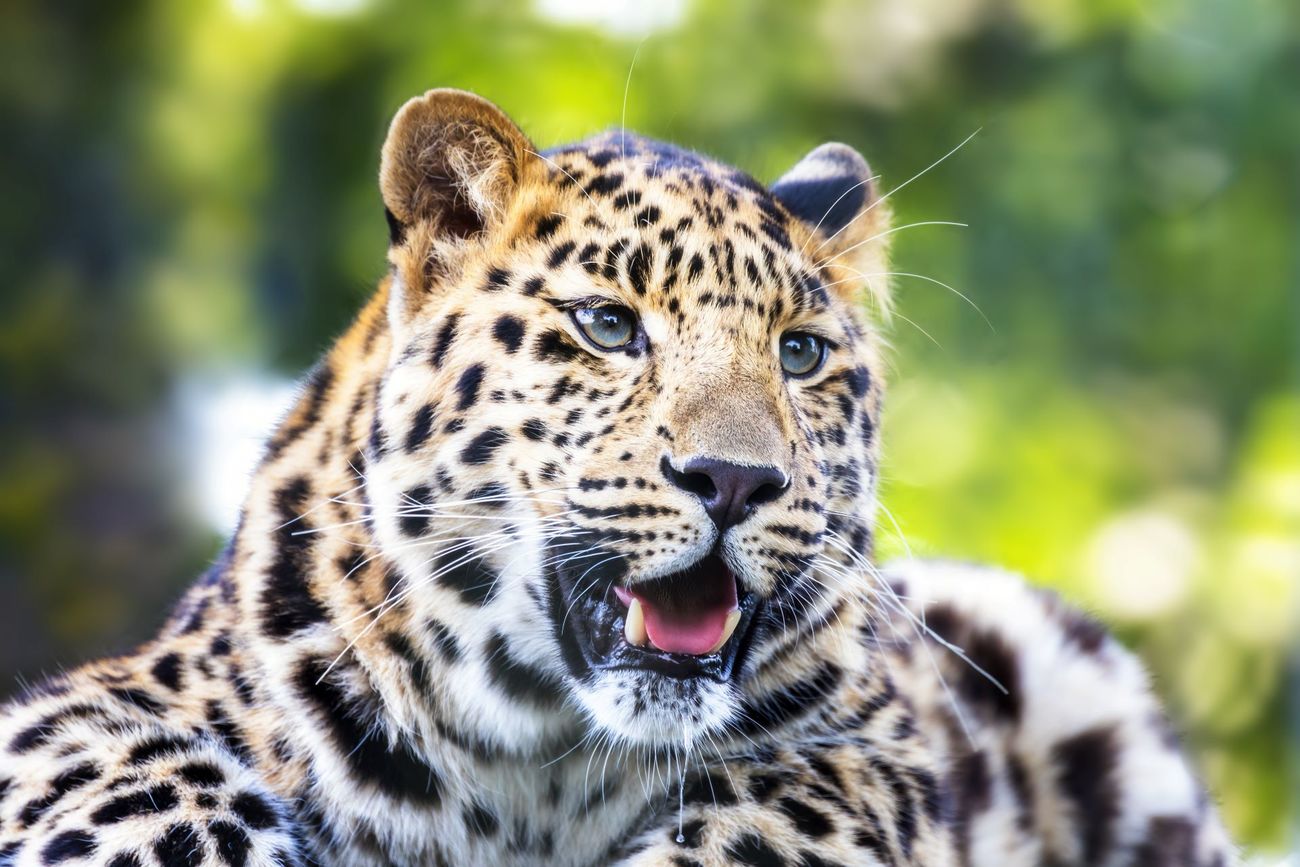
x: 387, y: 664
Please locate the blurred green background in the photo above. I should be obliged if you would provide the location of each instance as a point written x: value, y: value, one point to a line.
x: 190, y: 213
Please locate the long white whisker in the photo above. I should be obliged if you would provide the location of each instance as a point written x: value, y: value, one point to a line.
x: 560, y: 169
x: 627, y: 87
x: 883, y: 198
x: 809, y: 239
x: 891, y: 231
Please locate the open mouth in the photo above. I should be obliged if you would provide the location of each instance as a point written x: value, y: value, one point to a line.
x: 692, y: 623
x: 692, y: 613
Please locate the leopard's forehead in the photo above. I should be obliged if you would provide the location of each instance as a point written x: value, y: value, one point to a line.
x: 636, y: 176
x: 671, y: 216
x: 613, y: 157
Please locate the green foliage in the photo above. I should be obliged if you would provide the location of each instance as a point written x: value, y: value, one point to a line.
x: 190, y: 189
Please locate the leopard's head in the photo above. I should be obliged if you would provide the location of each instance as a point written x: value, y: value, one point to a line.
x: 626, y: 442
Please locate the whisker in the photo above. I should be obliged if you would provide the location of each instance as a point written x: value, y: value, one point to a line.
x: 322, y: 504
x: 560, y: 169
x: 811, y: 237
x: 891, y: 231
x: 627, y: 87
x: 963, y: 296
x: 882, y: 589
x: 883, y: 198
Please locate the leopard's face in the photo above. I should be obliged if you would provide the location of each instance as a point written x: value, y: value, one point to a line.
x: 628, y: 431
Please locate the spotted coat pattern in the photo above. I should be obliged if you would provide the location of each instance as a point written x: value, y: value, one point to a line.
x: 392, y: 662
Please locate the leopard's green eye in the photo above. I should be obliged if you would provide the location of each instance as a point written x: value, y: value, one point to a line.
x: 801, y: 353
x: 610, y: 326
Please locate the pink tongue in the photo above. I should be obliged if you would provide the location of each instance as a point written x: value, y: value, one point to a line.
x: 694, y: 630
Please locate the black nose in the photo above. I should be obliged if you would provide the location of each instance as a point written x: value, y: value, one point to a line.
x: 729, y: 491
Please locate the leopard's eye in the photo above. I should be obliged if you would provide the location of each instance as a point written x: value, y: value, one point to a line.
x: 610, y: 326
x: 802, y: 353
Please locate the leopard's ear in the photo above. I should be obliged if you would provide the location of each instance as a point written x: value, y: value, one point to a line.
x: 452, y: 163
x: 832, y: 193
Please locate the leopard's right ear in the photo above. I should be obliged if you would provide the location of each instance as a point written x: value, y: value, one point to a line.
x: 451, y: 166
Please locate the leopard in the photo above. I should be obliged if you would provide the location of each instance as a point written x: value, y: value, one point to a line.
x: 564, y: 555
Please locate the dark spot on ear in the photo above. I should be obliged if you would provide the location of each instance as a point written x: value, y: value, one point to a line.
x: 827, y: 188
x: 815, y: 201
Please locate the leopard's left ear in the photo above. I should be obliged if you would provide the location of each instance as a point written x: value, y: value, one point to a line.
x: 832, y: 193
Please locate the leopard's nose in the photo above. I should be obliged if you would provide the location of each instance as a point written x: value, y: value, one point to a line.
x: 729, y: 492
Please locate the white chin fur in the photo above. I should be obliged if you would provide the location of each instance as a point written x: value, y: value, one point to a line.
x: 670, y: 710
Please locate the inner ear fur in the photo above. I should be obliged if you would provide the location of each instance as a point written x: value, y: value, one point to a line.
x: 452, y: 162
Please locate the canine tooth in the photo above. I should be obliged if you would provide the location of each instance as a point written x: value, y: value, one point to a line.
x: 733, y: 617
x: 634, y: 625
